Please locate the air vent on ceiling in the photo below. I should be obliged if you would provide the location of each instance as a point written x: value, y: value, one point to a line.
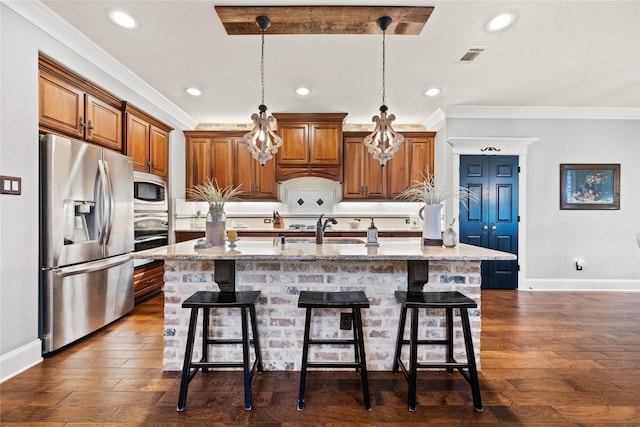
x: 471, y: 54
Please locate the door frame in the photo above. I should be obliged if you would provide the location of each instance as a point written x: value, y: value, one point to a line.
x: 498, y: 146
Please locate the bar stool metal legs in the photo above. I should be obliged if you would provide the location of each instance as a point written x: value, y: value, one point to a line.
x: 354, y: 300
x: 448, y: 301
x: 245, y: 301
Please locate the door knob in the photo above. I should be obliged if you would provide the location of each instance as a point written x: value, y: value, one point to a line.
x: 484, y: 227
x: 492, y: 227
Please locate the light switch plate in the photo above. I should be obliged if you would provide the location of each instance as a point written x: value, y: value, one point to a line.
x: 10, y: 185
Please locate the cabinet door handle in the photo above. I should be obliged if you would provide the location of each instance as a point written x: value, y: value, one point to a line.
x: 81, y: 124
x: 90, y: 127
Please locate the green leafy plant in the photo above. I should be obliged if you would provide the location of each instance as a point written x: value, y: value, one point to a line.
x: 426, y: 191
x: 211, y: 193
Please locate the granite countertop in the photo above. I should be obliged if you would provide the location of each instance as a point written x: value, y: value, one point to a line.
x: 269, y: 248
x: 361, y: 229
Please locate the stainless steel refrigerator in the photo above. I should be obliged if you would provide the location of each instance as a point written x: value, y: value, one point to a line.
x: 86, y: 237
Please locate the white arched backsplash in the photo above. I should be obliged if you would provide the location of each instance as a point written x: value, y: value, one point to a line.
x: 499, y: 146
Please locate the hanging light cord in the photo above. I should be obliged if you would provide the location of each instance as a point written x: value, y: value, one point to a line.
x: 383, y: 67
x: 262, y: 69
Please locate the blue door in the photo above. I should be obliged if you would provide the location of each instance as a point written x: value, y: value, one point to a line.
x: 492, y: 220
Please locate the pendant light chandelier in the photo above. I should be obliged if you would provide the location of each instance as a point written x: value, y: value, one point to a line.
x: 261, y: 140
x: 384, y: 141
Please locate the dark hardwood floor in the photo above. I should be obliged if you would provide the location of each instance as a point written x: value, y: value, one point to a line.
x: 548, y: 359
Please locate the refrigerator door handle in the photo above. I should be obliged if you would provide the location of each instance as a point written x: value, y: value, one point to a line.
x: 92, y: 266
x: 103, y: 199
x: 110, y: 201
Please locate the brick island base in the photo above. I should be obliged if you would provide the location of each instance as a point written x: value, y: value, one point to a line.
x: 281, y: 322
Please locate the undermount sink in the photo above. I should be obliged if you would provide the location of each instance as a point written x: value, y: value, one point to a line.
x: 331, y: 240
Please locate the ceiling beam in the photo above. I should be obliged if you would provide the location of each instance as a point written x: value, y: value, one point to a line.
x: 406, y: 20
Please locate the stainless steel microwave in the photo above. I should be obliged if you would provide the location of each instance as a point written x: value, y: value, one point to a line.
x: 149, y: 192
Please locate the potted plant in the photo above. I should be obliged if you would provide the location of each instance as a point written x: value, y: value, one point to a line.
x: 216, y: 197
x: 426, y: 191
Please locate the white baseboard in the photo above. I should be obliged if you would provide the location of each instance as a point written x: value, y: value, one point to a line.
x: 21, y: 359
x: 581, y: 285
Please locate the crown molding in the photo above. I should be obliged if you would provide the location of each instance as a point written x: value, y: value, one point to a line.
x: 436, y: 120
x: 52, y: 24
x: 564, y: 113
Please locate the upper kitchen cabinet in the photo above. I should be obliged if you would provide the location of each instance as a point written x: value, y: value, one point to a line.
x: 72, y: 106
x: 365, y: 178
x: 420, y: 150
x: 223, y: 156
x: 209, y: 155
x: 311, y: 145
x: 147, y: 141
x: 257, y: 181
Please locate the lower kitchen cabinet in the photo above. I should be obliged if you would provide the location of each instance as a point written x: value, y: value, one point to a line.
x: 148, y: 280
x: 183, y: 236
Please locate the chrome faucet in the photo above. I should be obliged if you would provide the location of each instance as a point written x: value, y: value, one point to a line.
x: 320, y: 227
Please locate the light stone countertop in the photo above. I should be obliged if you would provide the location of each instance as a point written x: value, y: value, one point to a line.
x: 268, y: 248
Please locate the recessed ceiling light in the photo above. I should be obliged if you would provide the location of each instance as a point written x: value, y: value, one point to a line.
x: 123, y: 19
x: 302, y: 91
x: 501, y: 22
x: 434, y: 91
x: 193, y: 91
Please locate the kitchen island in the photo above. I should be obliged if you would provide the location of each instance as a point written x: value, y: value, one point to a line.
x: 280, y: 271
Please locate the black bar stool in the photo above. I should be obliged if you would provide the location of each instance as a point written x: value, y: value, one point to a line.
x: 206, y: 300
x: 355, y: 300
x: 448, y: 301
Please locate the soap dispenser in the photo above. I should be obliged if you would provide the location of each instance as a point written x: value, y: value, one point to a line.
x: 372, y: 234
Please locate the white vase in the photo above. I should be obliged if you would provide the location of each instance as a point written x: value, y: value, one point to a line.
x: 431, y: 225
x: 215, y: 233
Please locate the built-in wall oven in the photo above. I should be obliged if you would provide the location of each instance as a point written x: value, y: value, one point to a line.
x: 150, y: 230
x: 151, y: 215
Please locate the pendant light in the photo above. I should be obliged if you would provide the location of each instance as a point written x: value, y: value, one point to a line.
x: 384, y: 141
x: 261, y: 140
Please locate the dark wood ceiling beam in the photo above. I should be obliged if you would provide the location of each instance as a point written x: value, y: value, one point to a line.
x: 238, y: 20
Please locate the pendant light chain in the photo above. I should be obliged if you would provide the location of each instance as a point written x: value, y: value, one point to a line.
x: 262, y: 69
x: 383, y: 68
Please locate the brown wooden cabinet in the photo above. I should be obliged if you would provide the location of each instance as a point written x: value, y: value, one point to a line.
x: 364, y: 178
x: 183, y: 236
x: 421, y: 151
x: 311, y: 145
x: 223, y: 156
x: 148, y: 280
x: 72, y: 106
x: 209, y: 155
x: 147, y: 141
x: 258, y: 182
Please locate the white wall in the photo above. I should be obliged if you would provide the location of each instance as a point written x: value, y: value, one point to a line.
x: 555, y: 238
x: 20, y: 42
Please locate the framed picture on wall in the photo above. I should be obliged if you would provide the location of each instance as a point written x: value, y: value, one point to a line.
x: 589, y: 186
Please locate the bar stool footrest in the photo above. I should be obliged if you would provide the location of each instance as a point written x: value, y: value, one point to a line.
x: 333, y: 365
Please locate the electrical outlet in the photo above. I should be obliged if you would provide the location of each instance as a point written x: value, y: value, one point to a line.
x: 346, y: 320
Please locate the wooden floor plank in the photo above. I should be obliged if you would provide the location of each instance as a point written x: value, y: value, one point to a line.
x: 548, y: 359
